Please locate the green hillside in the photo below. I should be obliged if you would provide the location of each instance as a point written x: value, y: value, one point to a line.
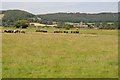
x: 11, y: 16
x: 77, y: 17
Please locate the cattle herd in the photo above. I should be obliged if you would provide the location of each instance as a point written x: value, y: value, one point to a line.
x: 44, y: 31
x: 13, y: 31
x: 41, y: 31
x: 57, y: 31
x: 66, y: 31
x: 60, y: 31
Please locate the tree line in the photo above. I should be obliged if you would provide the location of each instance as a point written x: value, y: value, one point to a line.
x: 11, y: 16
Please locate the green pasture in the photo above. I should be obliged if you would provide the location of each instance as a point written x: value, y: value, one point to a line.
x: 89, y: 54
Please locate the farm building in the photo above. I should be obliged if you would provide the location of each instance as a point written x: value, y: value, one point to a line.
x: 80, y: 25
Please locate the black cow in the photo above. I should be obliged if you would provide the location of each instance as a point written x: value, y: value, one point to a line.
x: 45, y: 31
x: 65, y: 31
x: 8, y: 31
x: 58, y: 32
x: 5, y: 31
x: 74, y: 31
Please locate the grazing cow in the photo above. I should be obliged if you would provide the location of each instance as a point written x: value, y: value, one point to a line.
x: 16, y: 31
x: 45, y: 31
x: 9, y: 31
x: 55, y: 31
x: 58, y: 32
x: 65, y: 31
x: 12, y: 31
x: 41, y: 31
x: 74, y: 31
x: 77, y: 31
x: 5, y: 31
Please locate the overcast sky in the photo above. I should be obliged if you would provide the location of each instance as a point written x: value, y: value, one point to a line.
x: 53, y: 7
x: 60, y: 0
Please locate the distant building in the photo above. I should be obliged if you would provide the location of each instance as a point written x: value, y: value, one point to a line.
x: 80, y: 25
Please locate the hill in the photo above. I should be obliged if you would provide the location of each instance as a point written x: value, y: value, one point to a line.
x: 11, y: 16
x: 78, y: 17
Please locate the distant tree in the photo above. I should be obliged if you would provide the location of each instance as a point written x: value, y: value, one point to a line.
x: 68, y: 26
x: 60, y: 25
x: 108, y: 26
x: 63, y: 25
x: 21, y: 24
x: 78, y: 17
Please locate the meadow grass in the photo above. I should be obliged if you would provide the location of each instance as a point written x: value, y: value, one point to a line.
x: 49, y: 55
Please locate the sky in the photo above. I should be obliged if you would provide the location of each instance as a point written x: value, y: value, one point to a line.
x: 54, y: 7
x: 60, y: 0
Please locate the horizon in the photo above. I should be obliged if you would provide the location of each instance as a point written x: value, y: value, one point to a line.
x: 57, y: 12
x: 62, y: 7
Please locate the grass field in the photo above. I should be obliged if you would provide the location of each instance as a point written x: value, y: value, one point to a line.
x: 90, y: 54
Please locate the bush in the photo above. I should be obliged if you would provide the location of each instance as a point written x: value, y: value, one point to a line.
x: 21, y: 24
